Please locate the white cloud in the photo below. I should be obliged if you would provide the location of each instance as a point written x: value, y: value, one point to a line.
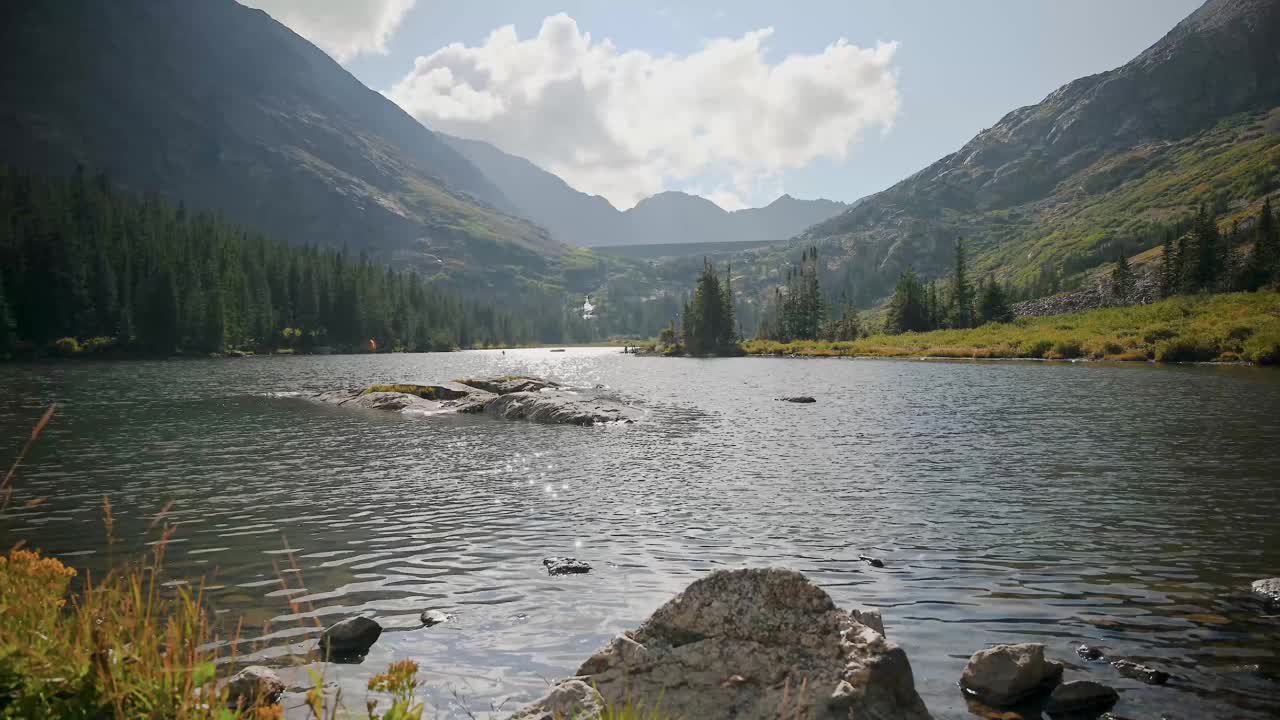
x: 342, y: 28
x: 627, y: 124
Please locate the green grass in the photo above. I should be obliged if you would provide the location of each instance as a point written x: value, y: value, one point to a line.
x: 1231, y: 327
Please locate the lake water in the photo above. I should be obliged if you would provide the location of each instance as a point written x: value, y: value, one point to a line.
x: 1127, y: 506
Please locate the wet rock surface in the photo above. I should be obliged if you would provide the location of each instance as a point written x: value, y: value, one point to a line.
x: 1137, y: 671
x: 510, y: 398
x: 735, y: 643
x: 1268, y: 589
x: 350, y: 638
x: 559, y: 407
x: 1080, y: 696
x: 434, y: 617
x: 566, y: 566
x: 570, y: 699
x: 1006, y: 674
x: 798, y: 399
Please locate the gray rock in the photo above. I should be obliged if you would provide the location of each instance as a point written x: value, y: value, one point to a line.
x: 870, y: 618
x: 873, y: 562
x: 572, y: 699
x: 566, y: 566
x: 802, y: 399
x: 509, y: 384
x: 1146, y: 674
x: 1268, y: 589
x: 1005, y: 674
x: 735, y: 643
x: 254, y: 686
x: 434, y: 617
x: 349, y: 638
x: 1081, y: 696
x: 557, y: 406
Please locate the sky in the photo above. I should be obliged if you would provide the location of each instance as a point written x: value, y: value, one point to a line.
x: 737, y: 101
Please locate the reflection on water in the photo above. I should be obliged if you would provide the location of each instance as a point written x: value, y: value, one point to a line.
x: 1123, y: 506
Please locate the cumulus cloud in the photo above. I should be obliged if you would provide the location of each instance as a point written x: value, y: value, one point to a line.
x: 342, y: 28
x: 627, y: 124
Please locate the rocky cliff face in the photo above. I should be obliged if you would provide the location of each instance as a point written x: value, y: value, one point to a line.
x: 1029, y: 189
x: 221, y: 107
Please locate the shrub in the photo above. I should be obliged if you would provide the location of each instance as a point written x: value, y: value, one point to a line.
x: 1263, y: 348
x: 67, y: 346
x: 1067, y: 349
x: 1036, y: 348
x: 1186, y: 350
x: 1159, y: 333
x: 100, y: 344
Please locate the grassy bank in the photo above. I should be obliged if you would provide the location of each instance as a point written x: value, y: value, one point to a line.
x: 1231, y: 327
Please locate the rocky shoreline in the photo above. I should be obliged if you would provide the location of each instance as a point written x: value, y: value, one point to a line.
x: 512, y: 397
x: 762, y: 644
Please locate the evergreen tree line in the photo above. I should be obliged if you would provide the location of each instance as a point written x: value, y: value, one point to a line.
x: 917, y: 306
x: 1204, y: 259
x: 81, y: 261
x: 799, y: 311
x: 707, y: 319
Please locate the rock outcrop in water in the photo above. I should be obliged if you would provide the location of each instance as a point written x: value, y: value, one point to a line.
x: 746, y: 644
x: 1006, y: 674
x: 510, y: 398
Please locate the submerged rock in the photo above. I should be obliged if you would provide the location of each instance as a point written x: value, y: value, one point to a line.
x: 1089, y: 652
x: 752, y: 645
x: 554, y: 406
x: 1268, y: 589
x: 1146, y: 674
x: 802, y: 399
x: 434, y: 617
x: 566, y: 566
x: 1005, y: 674
x: 349, y: 638
x: 254, y: 686
x: 1080, y: 696
x: 873, y: 562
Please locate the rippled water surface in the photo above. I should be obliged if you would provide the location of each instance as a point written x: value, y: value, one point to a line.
x: 1123, y: 506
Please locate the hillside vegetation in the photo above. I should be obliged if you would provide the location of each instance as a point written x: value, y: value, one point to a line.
x: 1199, y: 328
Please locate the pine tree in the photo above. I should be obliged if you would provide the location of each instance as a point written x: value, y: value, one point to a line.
x: 961, y: 291
x: 993, y: 305
x: 1263, y: 266
x: 159, y: 333
x: 1169, y: 273
x: 1207, y: 262
x: 1122, y: 280
x: 907, y: 312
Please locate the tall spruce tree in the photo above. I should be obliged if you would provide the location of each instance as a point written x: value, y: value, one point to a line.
x: 1263, y: 266
x: 6, y: 322
x: 961, y: 290
x: 1169, y: 273
x: 907, y: 311
x: 1122, y: 279
x: 993, y: 303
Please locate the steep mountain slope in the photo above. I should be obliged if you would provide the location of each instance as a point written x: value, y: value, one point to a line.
x: 1097, y: 165
x: 221, y: 107
x: 670, y: 217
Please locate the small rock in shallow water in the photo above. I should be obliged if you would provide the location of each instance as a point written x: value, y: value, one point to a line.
x: 254, y: 686
x: 1148, y: 675
x: 802, y: 399
x: 873, y: 562
x: 434, y: 617
x: 1080, y: 696
x: 1269, y: 589
x: 570, y: 699
x: 350, y: 638
x: 566, y: 566
x: 1089, y: 652
x: 1004, y: 674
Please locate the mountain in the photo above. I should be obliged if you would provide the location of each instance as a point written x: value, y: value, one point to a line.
x: 221, y: 107
x: 669, y: 218
x: 1101, y: 164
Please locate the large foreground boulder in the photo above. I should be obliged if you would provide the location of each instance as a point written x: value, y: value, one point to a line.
x: 1268, y: 589
x: 748, y: 645
x: 1005, y: 674
x: 350, y: 638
